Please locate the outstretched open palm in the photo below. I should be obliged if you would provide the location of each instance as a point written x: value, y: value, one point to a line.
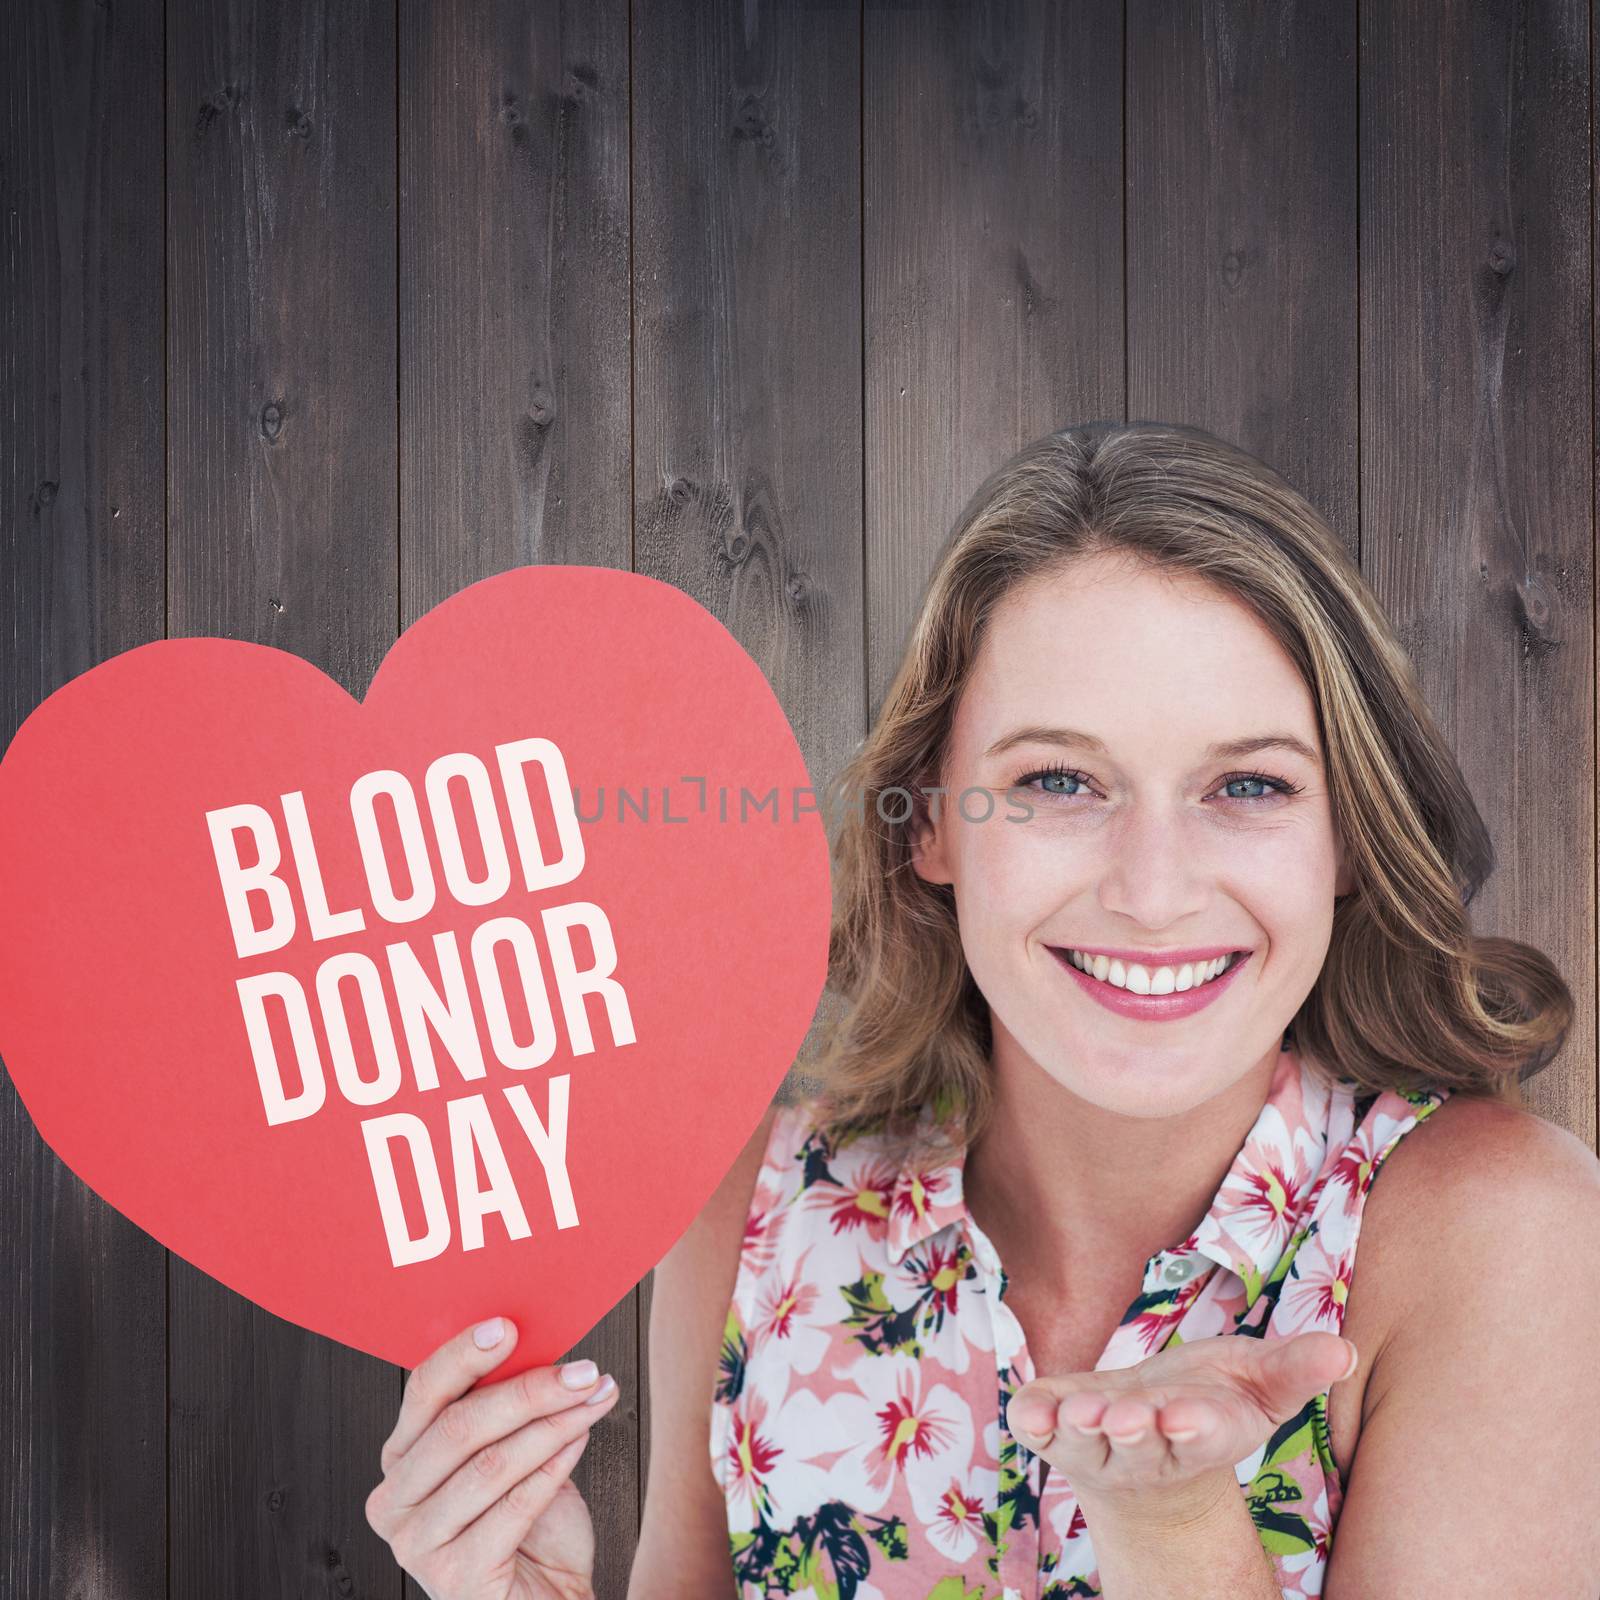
x: 1181, y: 1414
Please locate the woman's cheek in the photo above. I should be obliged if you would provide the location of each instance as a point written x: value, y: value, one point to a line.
x: 1010, y: 870
x: 1289, y: 876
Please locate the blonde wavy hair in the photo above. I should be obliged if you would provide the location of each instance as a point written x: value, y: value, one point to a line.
x: 1408, y: 998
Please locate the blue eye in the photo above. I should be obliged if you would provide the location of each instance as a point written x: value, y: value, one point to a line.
x: 1050, y: 772
x: 1276, y: 785
x: 1227, y: 782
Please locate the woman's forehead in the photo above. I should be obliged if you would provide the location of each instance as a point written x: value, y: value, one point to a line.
x: 1092, y: 655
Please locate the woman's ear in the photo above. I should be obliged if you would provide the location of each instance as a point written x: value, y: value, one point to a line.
x: 928, y: 847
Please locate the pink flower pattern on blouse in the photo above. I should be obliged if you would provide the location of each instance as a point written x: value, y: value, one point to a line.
x: 858, y: 1429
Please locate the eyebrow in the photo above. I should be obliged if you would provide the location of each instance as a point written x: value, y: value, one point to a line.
x: 1228, y: 748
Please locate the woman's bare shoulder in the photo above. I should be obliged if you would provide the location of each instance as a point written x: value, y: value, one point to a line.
x: 1476, y: 1174
x: 1471, y: 1145
x: 684, y: 1527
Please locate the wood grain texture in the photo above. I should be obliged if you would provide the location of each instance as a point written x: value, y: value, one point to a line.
x: 315, y: 314
x: 83, y: 1501
x: 1477, y: 457
x: 747, y: 354
x: 1241, y: 171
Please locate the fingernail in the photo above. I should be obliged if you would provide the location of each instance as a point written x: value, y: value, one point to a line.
x: 1355, y: 1361
x: 579, y: 1374
x: 606, y: 1386
x: 1031, y: 1417
x: 487, y: 1334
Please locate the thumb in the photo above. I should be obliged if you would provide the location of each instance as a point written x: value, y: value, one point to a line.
x: 1292, y: 1370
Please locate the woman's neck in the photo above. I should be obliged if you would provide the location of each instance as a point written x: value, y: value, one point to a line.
x: 1068, y: 1191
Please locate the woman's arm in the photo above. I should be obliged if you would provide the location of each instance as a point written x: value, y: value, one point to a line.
x: 683, y: 1551
x: 1477, y: 1471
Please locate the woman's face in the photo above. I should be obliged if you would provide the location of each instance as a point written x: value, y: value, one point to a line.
x: 1152, y: 842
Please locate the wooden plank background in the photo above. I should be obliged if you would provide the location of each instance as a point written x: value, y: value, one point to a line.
x: 315, y: 313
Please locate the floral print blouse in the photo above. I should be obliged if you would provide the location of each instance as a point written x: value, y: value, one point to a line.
x: 858, y: 1429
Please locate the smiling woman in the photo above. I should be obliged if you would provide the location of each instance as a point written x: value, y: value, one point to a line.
x: 1051, y: 1289
x: 1184, y: 608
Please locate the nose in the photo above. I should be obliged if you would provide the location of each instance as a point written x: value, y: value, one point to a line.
x: 1154, y: 874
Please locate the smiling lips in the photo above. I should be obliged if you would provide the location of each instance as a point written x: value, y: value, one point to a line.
x: 1165, y: 994
x: 1187, y: 970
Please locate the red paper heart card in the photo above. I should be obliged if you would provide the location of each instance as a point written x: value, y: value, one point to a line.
x: 395, y: 1013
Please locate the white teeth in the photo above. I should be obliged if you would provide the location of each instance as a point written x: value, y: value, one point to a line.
x: 1137, y: 979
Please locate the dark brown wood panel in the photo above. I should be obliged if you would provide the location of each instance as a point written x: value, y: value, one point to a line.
x: 1241, y: 223
x: 83, y: 1500
x: 281, y: 467
x: 1477, y: 446
x: 515, y: 409
x: 747, y: 346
